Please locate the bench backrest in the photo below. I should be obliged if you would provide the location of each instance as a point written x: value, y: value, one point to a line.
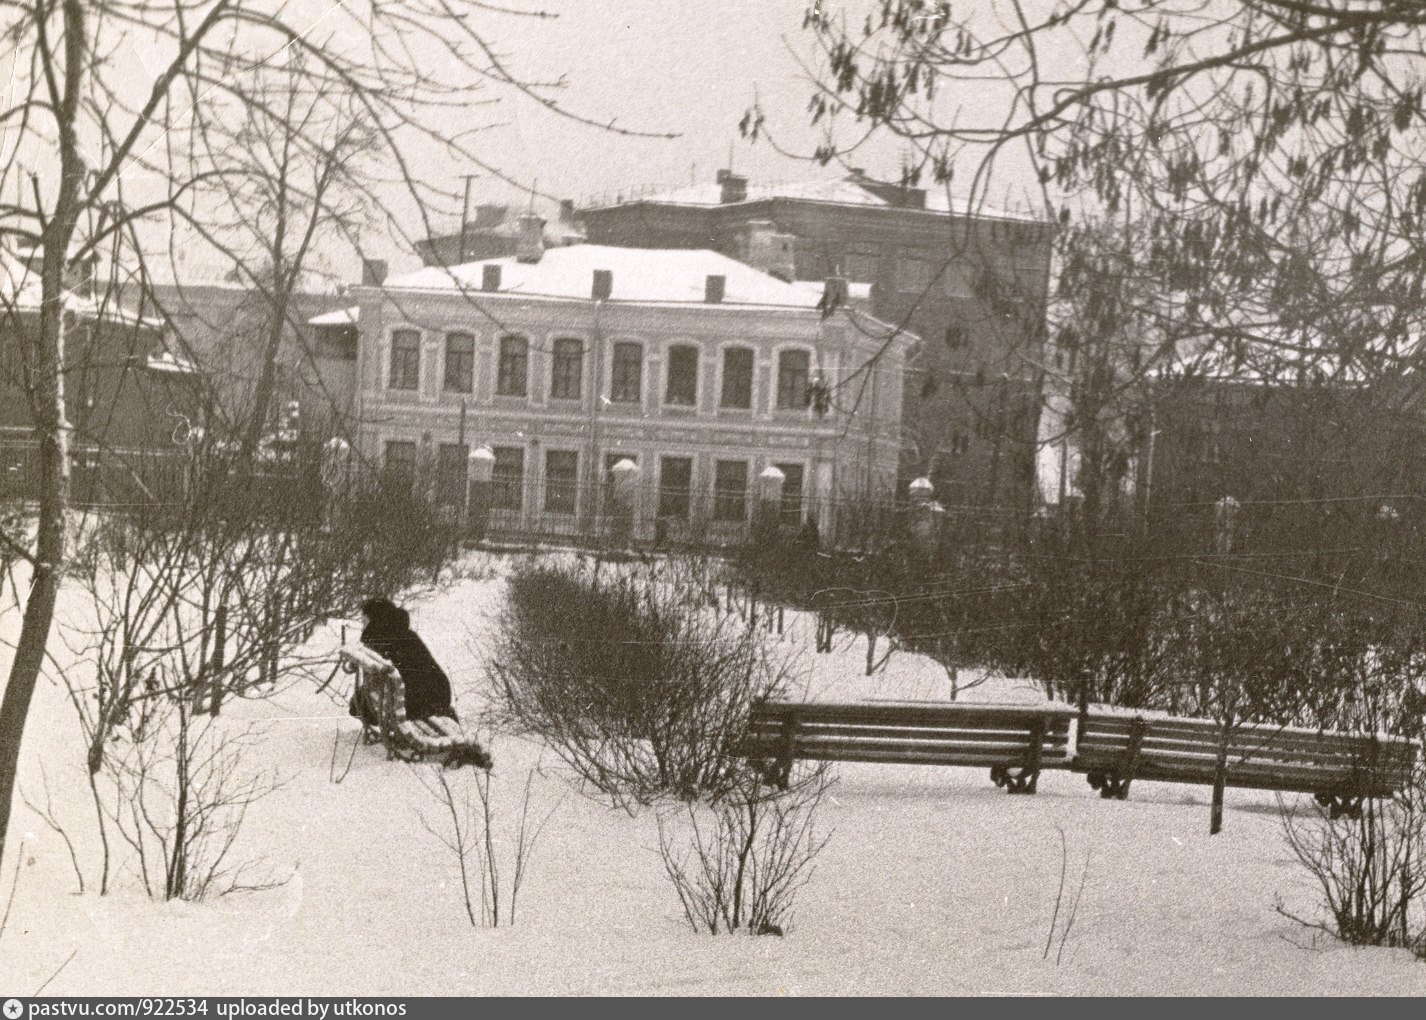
x: 1191, y: 746
x: 911, y: 732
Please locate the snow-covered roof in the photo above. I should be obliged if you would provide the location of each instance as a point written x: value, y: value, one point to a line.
x: 20, y: 291
x: 669, y: 275
x: 341, y: 317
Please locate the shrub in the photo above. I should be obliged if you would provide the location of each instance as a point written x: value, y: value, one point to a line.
x: 750, y: 854
x: 642, y: 690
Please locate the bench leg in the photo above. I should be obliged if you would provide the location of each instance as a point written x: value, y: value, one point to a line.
x: 1016, y: 780
x: 1340, y: 806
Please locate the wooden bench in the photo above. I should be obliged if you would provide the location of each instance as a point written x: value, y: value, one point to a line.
x: 438, y: 737
x: 1014, y: 741
x: 1340, y: 769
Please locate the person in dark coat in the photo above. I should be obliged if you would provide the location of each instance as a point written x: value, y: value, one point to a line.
x: 388, y: 633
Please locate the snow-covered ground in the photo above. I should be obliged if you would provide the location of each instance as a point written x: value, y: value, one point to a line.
x: 934, y: 881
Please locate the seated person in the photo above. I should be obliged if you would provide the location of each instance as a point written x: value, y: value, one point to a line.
x: 388, y: 633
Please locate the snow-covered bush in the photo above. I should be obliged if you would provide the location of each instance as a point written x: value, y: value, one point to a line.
x: 641, y: 689
x: 738, y: 864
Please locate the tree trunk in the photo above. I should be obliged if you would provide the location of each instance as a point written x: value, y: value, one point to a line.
x: 46, y: 364
x: 1220, y: 780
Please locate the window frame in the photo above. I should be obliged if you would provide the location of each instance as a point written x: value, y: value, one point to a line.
x: 468, y: 356
x: 721, y: 497
x: 779, y: 387
x: 723, y: 377
x: 410, y: 361
x: 616, y: 380
x: 506, y: 359
x: 668, y: 394
x: 560, y: 362
x: 666, y: 495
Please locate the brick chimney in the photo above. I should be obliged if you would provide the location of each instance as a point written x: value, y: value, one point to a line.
x: 530, y: 246
x: 714, y: 286
x: 603, y: 287
x: 732, y: 188
x: 373, y: 272
x: 490, y: 277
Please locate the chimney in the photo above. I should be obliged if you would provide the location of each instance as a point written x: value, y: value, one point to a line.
x: 530, y: 247
x: 490, y: 276
x: 566, y: 210
x: 373, y: 272
x: 834, y: 295
x: 732, y: 188
x: 603, y: 285
x: 714, y: 286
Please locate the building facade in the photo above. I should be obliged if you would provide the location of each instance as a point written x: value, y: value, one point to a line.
x: 974, y: 287
x: 693, y: 371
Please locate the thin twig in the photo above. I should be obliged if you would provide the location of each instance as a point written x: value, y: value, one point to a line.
x: 61, y: 967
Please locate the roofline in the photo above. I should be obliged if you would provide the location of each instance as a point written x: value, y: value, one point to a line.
x: 1035, y: 221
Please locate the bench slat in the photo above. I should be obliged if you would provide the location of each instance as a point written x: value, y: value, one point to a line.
x: 947, y: 735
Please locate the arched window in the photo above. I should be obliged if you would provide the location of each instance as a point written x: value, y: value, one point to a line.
x: 460, y: 363
x: 567, y: 369
x: 512, y: 376
x: 682, y: 386
x: 793, y: 371
x: 737, y: 378
x: 405, y: 360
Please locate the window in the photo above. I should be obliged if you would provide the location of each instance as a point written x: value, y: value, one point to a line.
x: 737, y: 378
x: 451, y: 474
x: 567, y: 373
x: 792, y: 482
x: 682, y: 376
x: 400, y: 464
x: 730, y: 490
x: 460, y: 363
x: 914, y: 275
x: 507, y: 479
x: 511, y: 376
x: 792, y: 371
x: 675, y: 484
x: 405, y: 360
x: 338, y: 342
x: 625, y: 386
x: 862, y: 266
x: 561, y: 480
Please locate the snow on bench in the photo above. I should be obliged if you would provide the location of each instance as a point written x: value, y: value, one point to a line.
x: 438, y: 737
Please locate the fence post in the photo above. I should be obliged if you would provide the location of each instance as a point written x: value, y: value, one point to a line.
x: 767, y: 513
x: 623, y: 487
x: 926, y: 516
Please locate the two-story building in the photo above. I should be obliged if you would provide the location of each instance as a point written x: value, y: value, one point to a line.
x: 973, y: 283
x: 696, y: 369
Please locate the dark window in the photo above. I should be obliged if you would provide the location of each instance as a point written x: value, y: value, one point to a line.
x: 400, y: 464
x: 792, y: 371
x: 507, y: 479
x: 460, y: 363
x: 625, y: 385
x: 451, y: 474
x: 561, y: 480
x: 793, y: 477
x: 682, y: 376
x: 511, y: 378
x: 405, y: 360
x: 338, y: 342
x: 675, y: 484
x: 567, y: 373
x: 730, y: 490
x: 737, y: 378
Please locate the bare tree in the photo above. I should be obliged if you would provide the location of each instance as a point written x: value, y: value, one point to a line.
x: 92, y: 136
